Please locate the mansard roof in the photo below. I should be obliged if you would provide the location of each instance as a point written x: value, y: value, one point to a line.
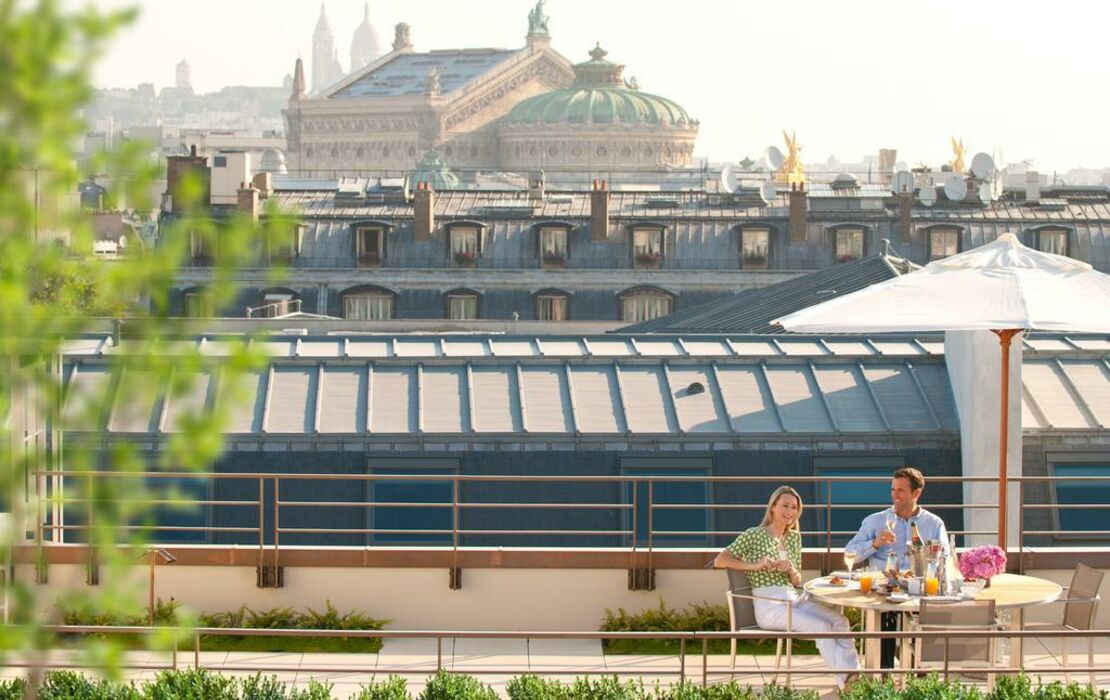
x: 406, y: 74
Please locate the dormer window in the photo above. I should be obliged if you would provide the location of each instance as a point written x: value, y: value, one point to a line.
x: 647, y: 248
x: 199, y: 303
x: 368, y: 304
x: 462, y: 305
x: 645, y: 304
x: 1053, y: 241
x: 285, y: 250
x: 552, y: 305
x: 848, y: 243
x: 755, y: 248
x: 200, y: 249
x: 553, y: 247
x: 465, y: 245
x: 943, y: 242
x: 369, y: 246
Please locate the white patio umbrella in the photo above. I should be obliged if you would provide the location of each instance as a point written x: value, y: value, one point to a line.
x: 1003, y: 287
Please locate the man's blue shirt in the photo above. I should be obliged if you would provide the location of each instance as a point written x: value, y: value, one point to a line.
x: 930, y: 526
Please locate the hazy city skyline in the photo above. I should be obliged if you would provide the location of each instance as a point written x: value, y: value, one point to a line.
x: 848, y: 78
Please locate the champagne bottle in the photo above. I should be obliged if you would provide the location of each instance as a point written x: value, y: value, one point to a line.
x: 915, y: 536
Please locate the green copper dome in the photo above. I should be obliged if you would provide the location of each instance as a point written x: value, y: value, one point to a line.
x: 599, y: 95
x: 433, y: 170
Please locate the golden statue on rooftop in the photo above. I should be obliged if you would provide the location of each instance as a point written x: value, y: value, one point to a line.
x: 792, y: 171
x: 959, y: 148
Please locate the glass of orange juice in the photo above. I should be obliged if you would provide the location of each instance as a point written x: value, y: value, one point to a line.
x: 932, y: 585
x: 865, y: 583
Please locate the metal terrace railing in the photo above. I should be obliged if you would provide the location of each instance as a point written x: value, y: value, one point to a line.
x: 640, y: 515
x: 690, y: 643
x: 275, y: 309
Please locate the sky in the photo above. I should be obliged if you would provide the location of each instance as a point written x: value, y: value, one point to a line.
x: 848, y: 77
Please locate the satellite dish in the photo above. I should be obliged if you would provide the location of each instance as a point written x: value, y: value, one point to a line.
x: 998, y: 187
x: 986, y: 193
x: 999, y: 159
x: 728, y: 179
x: 982, y: 166
x: 122, y: 243
x: 773, y: 157
x: 928, y: 195
x: 955, y: 189
x: 900, y: 166
x: 768, y: 191
x: 902, y: 183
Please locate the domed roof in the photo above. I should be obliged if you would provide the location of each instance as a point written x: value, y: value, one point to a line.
x: 599, y: 95
x: 433, y: 170
x: 366, y: 45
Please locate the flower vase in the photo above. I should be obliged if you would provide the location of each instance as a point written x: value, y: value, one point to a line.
x: 986, y: 583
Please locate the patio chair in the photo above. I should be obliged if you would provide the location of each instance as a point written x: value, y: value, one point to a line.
x: 1080, y: 601
x: 956, y: 618
x: 741, y: 616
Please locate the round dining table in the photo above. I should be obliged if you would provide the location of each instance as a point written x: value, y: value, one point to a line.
x: 1010, y: 592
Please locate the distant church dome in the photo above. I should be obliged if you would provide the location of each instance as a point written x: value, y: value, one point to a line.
x: 599, y: 95
x: 366, y: 45
x: 273, y: 161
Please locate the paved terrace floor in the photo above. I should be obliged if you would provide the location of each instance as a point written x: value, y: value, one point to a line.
x: 416, y: 658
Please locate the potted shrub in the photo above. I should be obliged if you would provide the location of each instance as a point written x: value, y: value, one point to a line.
x: 648, y: 259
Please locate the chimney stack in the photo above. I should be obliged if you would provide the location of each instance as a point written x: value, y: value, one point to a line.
x: 599, y: 211
x: 248, y: 201
x: 1032, y: 187
x: 423, y: 212
x: 887, y: 158
x: 905, y: 217
x: 263, y: 182
x: 191, y: 167
x: 798, y: 207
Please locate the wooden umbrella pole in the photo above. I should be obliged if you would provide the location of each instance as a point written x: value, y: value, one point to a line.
x: 1005, y: 338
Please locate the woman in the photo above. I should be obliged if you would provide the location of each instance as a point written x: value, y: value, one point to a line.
x: 771, y: 554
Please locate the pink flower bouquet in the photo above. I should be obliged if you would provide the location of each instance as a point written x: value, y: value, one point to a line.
x: 982, y: 562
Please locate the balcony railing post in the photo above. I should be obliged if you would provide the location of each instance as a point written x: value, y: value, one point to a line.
x: 828, y: 526
x: 274, y: 581
x: 682, y: 659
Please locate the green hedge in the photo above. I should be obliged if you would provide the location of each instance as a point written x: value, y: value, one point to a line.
x: 206, y: 685
x: 170, y: 614
x: 705, y: 617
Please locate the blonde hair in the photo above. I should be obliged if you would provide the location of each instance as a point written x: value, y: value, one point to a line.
x: 779, y: 493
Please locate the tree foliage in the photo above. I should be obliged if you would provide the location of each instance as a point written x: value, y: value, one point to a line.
x: 53, y: 289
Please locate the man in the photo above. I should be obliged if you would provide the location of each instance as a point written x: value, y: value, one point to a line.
x: 876, y: 539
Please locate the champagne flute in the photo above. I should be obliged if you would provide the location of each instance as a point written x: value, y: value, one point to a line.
x: 849, y: 561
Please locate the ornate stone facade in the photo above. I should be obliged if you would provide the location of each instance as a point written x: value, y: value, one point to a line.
x: 465, y: 105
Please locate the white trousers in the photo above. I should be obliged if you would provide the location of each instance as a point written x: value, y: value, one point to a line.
x: 808, y: 616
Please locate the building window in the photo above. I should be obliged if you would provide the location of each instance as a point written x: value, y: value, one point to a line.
x: 368, y: 306
x: 199, y: 304
x: 1053, y: 241
x: 755, y: 249
x: 465, y: 247
x: 551, y: 306
x: 687, y: 502
x: 645, y: 304
x: 369, y: 246
x: 849, y: 244
x: 870, y: 495
x: 553, y: 247
x: 647, y: 248
x: 943, y: 242
x: 394, y: 521
x: 462, y: 306
x: 200, y: 248
x: 285, y: 250
x: 1076, y: 520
